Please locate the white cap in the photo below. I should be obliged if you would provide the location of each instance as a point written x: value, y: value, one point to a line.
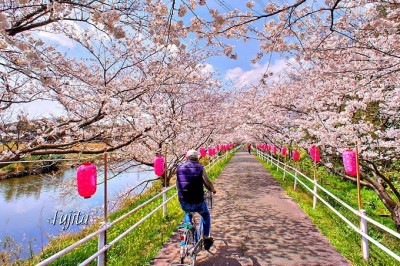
x: 193, y: 155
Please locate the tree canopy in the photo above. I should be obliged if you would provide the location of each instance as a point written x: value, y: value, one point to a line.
x: 136, y: 78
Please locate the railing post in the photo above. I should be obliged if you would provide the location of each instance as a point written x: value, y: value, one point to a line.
x: 101, y: 259
x: 315, y: 194
x: 295, y: 180
x: 164, y: 196
x: 277, y: 164
x: 364, y: 241
x: 284, y: 171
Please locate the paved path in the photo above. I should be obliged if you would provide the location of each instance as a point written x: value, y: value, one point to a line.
x: 255, y: 223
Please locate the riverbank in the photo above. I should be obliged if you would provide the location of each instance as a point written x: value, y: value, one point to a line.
x: 44, y: 164
x: 21, y: 169
x: 140, y: 246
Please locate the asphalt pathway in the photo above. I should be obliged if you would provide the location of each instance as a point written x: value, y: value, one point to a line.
x: 255, y: 223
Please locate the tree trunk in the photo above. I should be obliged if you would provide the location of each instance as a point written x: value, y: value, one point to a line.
x: 396, y: 216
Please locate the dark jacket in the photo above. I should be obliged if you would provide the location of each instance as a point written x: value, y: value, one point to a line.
x: 190, y: 182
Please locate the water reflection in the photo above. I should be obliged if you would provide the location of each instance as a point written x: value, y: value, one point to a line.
x: 29, y: 204
x: 16, y: 188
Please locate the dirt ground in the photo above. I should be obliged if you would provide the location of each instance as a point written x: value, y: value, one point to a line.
x: 255, y: 223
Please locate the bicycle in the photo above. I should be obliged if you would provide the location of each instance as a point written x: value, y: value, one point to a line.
x: 191, y: 239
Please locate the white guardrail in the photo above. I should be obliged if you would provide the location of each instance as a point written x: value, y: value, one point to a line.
x: 101, y: 232
x: 362, y: 230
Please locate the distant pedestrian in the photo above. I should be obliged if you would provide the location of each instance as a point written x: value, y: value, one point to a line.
x: 249, y: 148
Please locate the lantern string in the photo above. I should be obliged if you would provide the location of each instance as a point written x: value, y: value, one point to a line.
x: 127, y: 153
x: 364, y: 146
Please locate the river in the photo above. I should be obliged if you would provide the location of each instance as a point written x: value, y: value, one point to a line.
x: 31, y: 207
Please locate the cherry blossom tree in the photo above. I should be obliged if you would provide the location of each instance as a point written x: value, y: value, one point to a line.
x: 134, y: 71
x: 140, y: 84
x: 316, y: 105
x: 344, y: 88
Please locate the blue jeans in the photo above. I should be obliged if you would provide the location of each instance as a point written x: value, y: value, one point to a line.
x: 200, y: 208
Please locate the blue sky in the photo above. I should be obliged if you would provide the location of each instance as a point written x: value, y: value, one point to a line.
x: 241, y: 71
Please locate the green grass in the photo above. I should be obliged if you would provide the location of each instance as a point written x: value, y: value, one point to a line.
x: 342, y: 237
x: 136, y: 248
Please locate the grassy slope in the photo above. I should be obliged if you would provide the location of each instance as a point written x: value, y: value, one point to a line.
x: 139, y: 246
x: 342, y: 237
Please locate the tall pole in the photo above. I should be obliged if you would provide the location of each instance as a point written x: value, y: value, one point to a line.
x: 284, y: 167
x: 165, y: 183
x: 165, y: 167
x: 105, y: 185
x: 315, y: 170
x: 363, y: 222
x: 358, y: 179
x: 104, y: 240
x: 315, y: 182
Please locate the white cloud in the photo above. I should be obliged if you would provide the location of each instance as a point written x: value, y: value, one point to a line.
x: 207, y: 69
x: 242, y: 78
x: 59, y: 38
x: 71, y: 27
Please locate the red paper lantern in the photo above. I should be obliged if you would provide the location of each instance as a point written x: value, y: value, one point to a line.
x: 203, y: 152
x: 314, y: 153
x: 159, y: 165
x: 349, y: 162
x: 284, y: 151
x: 86, y: 177
x: 274, y: 149
x: 296, y: 156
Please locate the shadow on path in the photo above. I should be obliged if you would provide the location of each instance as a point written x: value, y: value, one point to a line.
x: 255, y: 223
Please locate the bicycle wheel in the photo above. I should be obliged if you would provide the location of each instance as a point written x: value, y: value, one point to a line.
x: 198, y: 231
x: 189, y: 256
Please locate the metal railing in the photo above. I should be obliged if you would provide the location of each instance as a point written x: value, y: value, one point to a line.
x: 362, y: 230
x: 101, y: 232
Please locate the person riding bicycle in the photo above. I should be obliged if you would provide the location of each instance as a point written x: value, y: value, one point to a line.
x: 191, y: 177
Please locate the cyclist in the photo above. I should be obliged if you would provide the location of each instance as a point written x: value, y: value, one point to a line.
x: 191, y: 177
